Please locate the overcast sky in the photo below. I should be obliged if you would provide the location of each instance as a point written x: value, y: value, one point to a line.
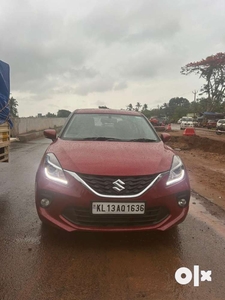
x: 68, y: 54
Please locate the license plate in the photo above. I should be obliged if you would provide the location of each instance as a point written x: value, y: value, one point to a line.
x: 133, y: 208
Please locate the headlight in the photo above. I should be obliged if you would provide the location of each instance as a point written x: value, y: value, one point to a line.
x: 53, y: 170
x: 176, y: 172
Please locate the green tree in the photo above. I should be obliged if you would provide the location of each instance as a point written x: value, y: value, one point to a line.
x: 178, y: 107
x: 130, y: 107
x: 179, y: 102
x: 103, y: 107
x: 212, y: 69
x: 154, y: 112
x: 165, y: 110
x: 138, y: 106
x: 147, y: 113
x: 50, y: 115
x: 144, y: 107
x: 63, y: 113
x: 13, y: 107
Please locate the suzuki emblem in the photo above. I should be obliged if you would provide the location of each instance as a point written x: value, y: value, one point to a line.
x: 118, y: 185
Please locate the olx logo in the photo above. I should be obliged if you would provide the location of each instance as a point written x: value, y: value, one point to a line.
x: 184, y: 275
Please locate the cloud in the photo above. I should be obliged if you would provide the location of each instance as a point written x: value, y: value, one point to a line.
x: 85, y: 48
x: 120, y: 86
x: 99, y: 84
x: 136, y: 21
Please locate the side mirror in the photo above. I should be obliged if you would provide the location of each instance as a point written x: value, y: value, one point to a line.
x: 165, y: 137
x: 50, y: 134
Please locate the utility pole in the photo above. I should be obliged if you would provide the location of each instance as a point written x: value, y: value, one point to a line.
x: 195, y: 93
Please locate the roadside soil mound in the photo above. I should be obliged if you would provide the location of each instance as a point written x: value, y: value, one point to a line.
x: 197, y: 142
x: 205, y: 161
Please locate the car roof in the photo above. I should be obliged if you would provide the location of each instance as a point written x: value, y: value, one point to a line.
x: 106, y: 111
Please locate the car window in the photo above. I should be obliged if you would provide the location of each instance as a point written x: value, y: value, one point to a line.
x: 121, y: 127
x: 187, y: 119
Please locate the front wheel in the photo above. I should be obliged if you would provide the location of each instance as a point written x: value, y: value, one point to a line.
x: 218, y: 133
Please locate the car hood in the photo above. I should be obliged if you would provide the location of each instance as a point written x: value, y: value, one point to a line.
x: 112, y: 158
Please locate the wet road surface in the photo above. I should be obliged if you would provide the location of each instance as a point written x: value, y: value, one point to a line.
x: 44, y: 263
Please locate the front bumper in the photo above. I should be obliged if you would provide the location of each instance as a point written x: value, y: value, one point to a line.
x: 183, y: 126
x: 70, y: 207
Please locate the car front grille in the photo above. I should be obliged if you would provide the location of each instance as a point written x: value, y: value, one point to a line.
x: 132, y: 185
x: 83, y: 217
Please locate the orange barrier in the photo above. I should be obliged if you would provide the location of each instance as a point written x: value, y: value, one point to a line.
x: 168, y: 127
x: 189, y: 131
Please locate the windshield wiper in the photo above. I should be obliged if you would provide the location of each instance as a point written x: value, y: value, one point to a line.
x: 104, y: 138
x: 99, y: 138
x: 142, y: 140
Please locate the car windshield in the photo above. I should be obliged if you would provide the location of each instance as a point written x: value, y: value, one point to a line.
x: 109, y: 127
x: 187, y: 119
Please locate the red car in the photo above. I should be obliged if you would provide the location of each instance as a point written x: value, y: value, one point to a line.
x: 211, y: 124
x: 108, y: 170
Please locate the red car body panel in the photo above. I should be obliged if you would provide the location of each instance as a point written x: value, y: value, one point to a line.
x: 110, y: 158
x: 113, y: 158
x: 76, y: 193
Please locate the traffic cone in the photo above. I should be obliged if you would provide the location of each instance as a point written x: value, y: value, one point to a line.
x: 189, y: 131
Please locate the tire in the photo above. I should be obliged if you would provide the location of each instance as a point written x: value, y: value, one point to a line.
x: 218, y: 133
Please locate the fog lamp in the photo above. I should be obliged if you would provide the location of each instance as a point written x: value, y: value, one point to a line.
x: 182, y: 202
x: 45, y: 202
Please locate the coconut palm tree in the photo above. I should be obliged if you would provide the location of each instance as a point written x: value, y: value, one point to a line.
x: 145, y: 107
x: 138, y: 106
x: 130, y: 107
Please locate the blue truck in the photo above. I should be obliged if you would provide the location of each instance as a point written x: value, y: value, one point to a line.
x: 5, y: 122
